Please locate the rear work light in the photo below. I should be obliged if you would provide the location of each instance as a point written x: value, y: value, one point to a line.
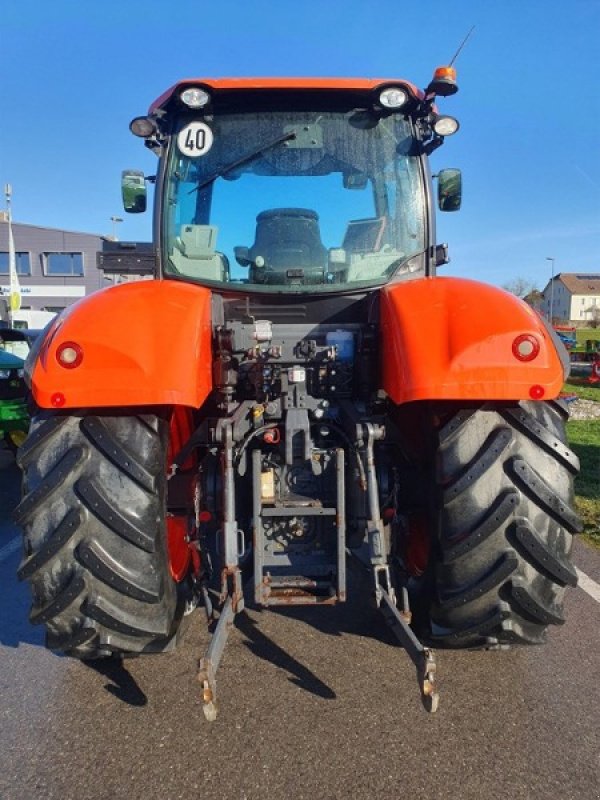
x: 445, y: 126
x: 69, y: 355
x: 142, y: 126
x: 194, y: 97
x: 393, y: 97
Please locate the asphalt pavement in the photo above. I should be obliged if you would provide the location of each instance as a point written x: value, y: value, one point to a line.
x: 315, y: 704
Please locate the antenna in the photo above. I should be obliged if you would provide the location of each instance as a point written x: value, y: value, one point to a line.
x: 460, y: 47
x: 444, y: 78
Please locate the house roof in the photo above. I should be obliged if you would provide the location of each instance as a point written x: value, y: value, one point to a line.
x: 580, y: 282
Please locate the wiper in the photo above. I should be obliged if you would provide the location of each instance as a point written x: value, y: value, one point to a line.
x: 244, y: 160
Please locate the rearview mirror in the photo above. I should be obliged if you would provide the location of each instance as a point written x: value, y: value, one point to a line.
x: 133, y: 190
x: 449, y: 189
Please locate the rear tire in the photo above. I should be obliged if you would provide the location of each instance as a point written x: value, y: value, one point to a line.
x: 93, y: 520
x: 506, y: 519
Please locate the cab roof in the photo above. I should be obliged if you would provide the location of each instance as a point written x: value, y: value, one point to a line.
x: 224, y: 85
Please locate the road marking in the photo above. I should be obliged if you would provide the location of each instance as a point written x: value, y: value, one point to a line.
x: 10, y: 548
x: 588, y: 585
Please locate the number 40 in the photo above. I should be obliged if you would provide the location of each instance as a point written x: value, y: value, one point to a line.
x: 195, y: 139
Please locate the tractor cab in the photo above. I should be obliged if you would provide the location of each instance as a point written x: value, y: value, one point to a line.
x: 294, y: 186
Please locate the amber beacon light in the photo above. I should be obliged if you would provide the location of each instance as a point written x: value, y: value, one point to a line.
x: 443, y: 82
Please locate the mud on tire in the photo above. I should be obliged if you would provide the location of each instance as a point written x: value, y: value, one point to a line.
x: 93, y: 524
x: 506, y: 519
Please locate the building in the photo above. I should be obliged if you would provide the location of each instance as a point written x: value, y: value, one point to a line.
x: 574, y: 298
x: 55, y: 267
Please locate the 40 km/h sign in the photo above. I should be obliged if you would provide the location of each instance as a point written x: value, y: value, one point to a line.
x: 195, y: 139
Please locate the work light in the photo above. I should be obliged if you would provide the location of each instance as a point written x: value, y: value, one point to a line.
x: 142, y: 126
x: 193, y: 97
x: 445, y: 126
x: 393, y: 97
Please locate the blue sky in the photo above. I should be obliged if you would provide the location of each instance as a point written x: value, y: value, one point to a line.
x: 73, y: 74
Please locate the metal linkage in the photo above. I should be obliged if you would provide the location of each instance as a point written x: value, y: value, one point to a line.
x: 422, y: 657
x: 232, y: 594
x: 399, y: 620
x: 207, y: 674
x: 385, y: 595
x: 209, y: 664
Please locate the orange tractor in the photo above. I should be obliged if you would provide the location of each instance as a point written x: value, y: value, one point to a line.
x: 294, y: 387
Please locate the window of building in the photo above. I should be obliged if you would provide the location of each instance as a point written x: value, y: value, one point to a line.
x: 63, y: 263
x: 23, y: 262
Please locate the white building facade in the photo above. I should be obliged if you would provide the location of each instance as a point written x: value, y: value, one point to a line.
x: 574, y: 298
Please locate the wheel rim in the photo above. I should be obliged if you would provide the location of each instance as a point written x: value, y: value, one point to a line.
x: 181, y: 428
x: 418, y: 545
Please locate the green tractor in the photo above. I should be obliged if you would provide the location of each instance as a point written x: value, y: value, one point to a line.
x: 14, y: 414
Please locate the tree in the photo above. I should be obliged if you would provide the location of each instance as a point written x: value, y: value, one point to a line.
x: 535, y: 299
x: 521, y: 287
x: 594, y: 312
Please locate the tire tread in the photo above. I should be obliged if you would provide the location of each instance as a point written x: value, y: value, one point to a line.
x: 93, y: 517
x: 506, y: 520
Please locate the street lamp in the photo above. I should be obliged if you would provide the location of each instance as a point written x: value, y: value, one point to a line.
x: 114, y: 221
x: 549, y: 258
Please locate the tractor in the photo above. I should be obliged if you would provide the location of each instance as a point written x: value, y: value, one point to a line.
x: 293, y: 386
x: 14, y: 415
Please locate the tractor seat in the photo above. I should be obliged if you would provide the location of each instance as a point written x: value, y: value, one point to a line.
x: 288, y: 247
x: 194, y: 253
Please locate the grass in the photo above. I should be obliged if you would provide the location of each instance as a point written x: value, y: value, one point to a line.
x: 583, y: 335
x: 584, y: 438
x: 583, y: 388
x: 587, y: 333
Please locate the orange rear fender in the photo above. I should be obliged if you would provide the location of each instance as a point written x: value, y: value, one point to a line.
x: 142, y: 343
x: 456, y: 339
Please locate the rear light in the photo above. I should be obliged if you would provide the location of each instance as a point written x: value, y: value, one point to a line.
x: 69, y: 355
x: 57, y: 400
x: 525, y: 347
x: 537, y: 392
